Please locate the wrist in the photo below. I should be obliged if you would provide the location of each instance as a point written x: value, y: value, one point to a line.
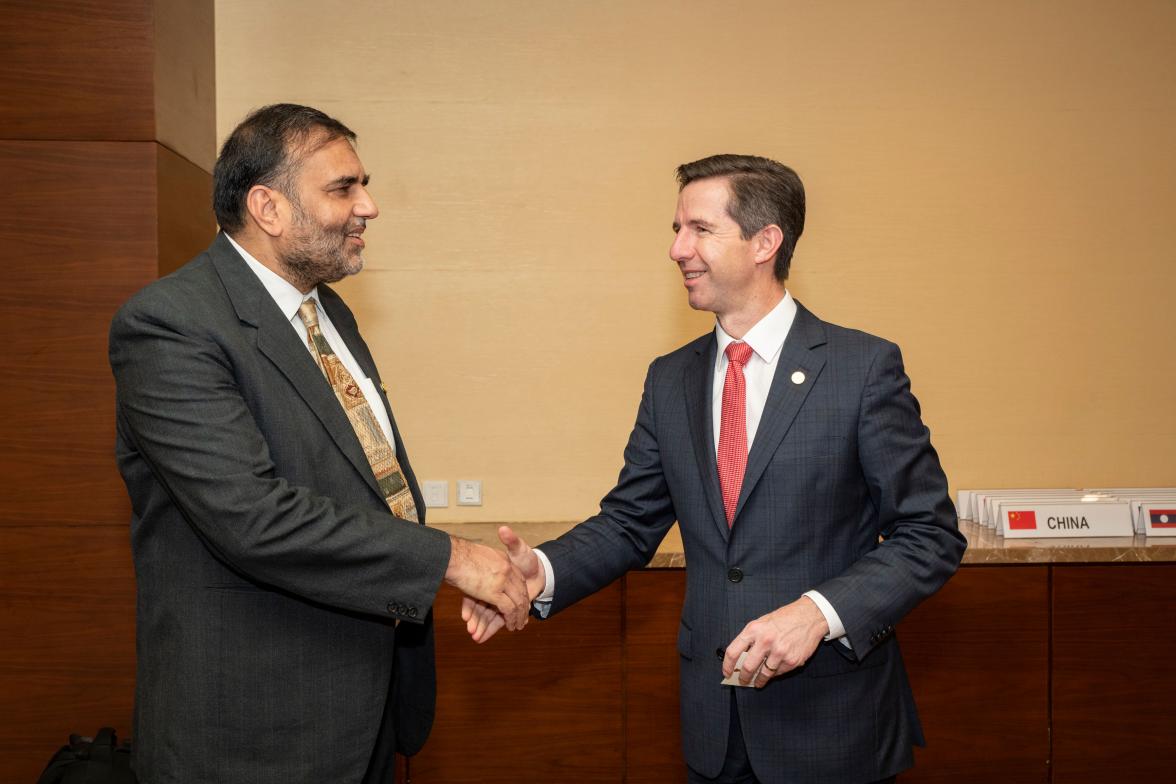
x: 817, y: 616
x: 458, y: 554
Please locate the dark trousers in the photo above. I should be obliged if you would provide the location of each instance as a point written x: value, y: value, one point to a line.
x: 737, y: 767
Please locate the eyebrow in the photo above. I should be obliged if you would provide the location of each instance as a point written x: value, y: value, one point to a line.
x: 348, y: 180
x: 695, y: 222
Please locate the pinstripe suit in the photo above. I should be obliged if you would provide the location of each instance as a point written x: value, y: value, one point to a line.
x: 838, y: 461
x: 269, y: 570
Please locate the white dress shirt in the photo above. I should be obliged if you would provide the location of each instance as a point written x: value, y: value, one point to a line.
x: 766, y: 339
x: 289, y: 299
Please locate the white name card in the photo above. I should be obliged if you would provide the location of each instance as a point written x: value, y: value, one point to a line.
x: 1159, y: 518
x: 1027, y: 519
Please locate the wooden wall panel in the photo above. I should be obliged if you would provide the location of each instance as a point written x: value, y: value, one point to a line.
x: 186, y: 225
x: 68, y: 624
x: 77, y: 224
x: 77, y: 69
x: 85, y: 183
x: 653, y: 743
x: 542, y: 705
x: 978, y: 656
x: 1114, y: 685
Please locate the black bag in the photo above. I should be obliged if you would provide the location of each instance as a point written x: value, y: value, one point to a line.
x: 98, y: 760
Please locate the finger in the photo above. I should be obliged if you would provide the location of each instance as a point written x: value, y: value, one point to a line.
x: 514, y: 613
x: 755, y: 657
x: 481, y: 623
x: 737, y: 646
x: 478, y: 616
x: 765, y: 673
x: 495, y: 623
x: 516, y: 590
x: 509, y: 538
x: 469, y: 613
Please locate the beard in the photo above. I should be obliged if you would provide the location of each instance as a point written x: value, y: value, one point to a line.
x: 319, y: 253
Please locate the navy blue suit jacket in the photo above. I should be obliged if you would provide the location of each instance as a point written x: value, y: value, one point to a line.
x: 843, y: 493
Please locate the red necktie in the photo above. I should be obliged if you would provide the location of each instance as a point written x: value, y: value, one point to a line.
x: 733, y: 428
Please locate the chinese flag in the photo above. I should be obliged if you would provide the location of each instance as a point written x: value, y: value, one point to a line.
x: 1023, y: 521
x: 1163, y: 518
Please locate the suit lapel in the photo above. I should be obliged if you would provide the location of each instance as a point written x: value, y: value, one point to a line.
x: 801, y: 352
x: 277, y: 341
x: 698, y: 379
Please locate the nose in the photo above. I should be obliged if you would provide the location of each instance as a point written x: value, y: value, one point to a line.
x: 682, y: 249
x: 366, y: 207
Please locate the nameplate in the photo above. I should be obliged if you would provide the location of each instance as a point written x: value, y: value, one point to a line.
x: 1158, y: 518
x: 987, y: 500
x: 1023, y: 519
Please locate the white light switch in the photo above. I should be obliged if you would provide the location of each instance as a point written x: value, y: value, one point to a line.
x: 469, y: 492
x: 436, y: 494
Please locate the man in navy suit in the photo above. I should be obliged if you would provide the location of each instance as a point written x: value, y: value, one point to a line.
x: 813, y: 509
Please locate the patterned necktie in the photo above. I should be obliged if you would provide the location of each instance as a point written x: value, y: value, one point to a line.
x: 380, y: 453
x: 733, y: 428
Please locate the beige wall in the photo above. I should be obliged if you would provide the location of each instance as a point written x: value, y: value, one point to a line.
x: 991, y: 185
x: 185, y: 86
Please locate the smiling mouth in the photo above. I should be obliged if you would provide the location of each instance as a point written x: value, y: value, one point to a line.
x: 693, y: 275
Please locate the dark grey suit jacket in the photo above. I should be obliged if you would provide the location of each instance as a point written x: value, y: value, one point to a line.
x: 270, y: 571
x: 838, y: 461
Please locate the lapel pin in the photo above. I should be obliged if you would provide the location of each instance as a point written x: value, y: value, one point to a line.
x: 384, y: 387
x: 798, y: 377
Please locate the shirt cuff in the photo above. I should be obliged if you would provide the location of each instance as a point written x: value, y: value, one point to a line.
x: 836, y: 627
x: 542, y: 602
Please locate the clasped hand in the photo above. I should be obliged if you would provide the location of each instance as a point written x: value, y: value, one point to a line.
x: 483, y: 618
x: 488, y: 578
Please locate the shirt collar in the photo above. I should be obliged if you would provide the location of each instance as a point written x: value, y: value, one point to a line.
x: 767, y: 337
x: 287, y: 297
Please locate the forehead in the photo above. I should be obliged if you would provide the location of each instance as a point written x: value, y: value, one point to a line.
x: 704, y: 199
x: 325, y: 162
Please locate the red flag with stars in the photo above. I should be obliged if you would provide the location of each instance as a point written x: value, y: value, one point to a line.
x: 1022, y: 521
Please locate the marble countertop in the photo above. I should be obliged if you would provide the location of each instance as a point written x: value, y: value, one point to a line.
x: 984, y: 546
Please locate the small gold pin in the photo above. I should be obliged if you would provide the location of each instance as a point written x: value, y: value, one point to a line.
x: 798, y: 377
x: 384, y: 387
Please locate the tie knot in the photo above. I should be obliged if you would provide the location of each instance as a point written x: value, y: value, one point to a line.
x: 308, y: 313
x: 738, y: 353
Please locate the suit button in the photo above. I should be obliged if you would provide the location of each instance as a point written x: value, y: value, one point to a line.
x: 411, y: 612
x: 735, y: 574
x: 391, y: 608
x: 719, y: 652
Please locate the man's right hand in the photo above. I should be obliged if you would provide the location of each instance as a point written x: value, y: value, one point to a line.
x: 524, y: 558
x: 481, y: 619
x: 487, y: 575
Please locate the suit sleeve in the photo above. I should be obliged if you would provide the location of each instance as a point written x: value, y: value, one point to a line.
x: 921, y: 544
x: 181, y: 410
x: 634, y: 517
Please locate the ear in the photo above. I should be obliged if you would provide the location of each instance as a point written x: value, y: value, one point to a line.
x: 267, y: 208
x: 767, y: 241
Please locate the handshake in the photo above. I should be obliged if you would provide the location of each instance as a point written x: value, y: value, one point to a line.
x: 498, y: 588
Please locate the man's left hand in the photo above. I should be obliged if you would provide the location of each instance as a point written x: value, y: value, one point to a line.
x: 777, y: 642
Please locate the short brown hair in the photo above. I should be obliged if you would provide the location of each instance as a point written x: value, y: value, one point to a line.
x: 763, y: 192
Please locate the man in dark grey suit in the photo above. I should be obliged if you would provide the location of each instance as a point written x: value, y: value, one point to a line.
x: 284, y: 583
x: 813, y: 509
